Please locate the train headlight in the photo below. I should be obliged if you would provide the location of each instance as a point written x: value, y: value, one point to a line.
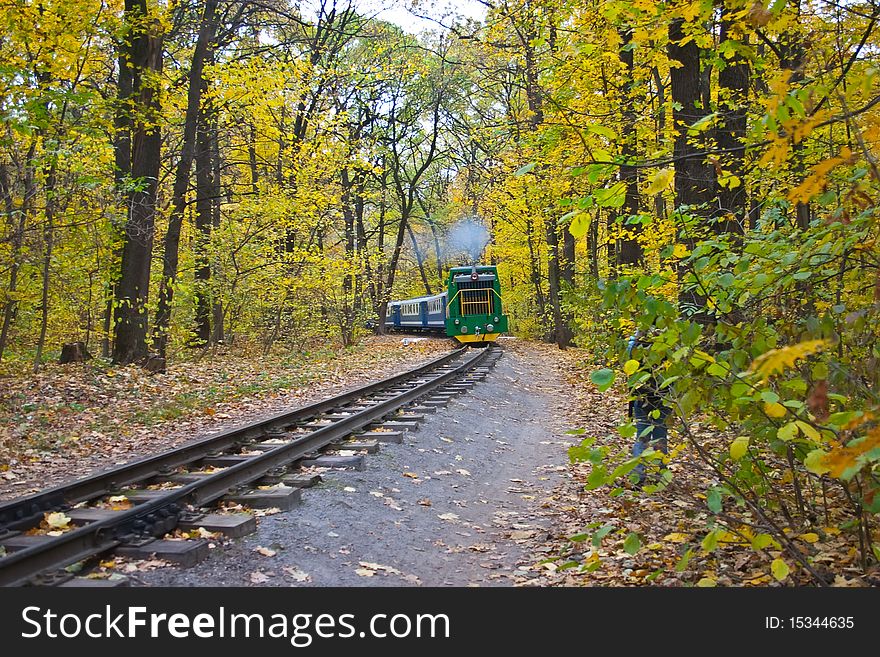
x: 464, y: 329
x: 458, y: 321
x: 496, y: 320
x: 490, y: 327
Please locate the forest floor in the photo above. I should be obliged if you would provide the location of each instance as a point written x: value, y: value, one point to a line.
x: 68, y: 420
x: 483, y: 494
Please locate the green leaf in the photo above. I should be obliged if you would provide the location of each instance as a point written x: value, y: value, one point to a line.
x: 600, y: 534
x: 611, y: 197
x: 815, y: 462
x: 627, y: 430
x: 762, y: 541
x: 726, y: 280
x: 683, y: 562
x: 602, y: 130
x: 603, y: 379
x: 710, y: 542
x: 632, y: 543
x: 739, y: 447
x: 779, y: 569
x: 777, y: 7
x: 788, y: 431
x: 523, y: 170
x: 597, y: 477
x: 713, y: 501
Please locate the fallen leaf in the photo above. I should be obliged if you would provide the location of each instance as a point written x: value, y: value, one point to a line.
x: 57, y: 520
x: 448, y: 516
x: 259, y: 578
x: 296, y: 574
x: 521, y: 535
x: 266, y: 552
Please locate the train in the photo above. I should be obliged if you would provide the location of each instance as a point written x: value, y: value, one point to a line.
x: 471, y: 309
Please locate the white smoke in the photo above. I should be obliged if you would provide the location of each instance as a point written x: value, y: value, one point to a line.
x: 467, y: 237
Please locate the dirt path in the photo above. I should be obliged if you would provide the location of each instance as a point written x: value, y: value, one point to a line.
x: 457, y: 504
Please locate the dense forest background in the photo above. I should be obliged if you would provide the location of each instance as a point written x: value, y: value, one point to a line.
x: 176, y: 174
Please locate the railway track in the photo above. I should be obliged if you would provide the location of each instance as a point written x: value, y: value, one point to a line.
x: 254, y: 464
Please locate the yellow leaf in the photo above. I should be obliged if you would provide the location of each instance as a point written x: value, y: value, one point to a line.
x: 779, y: 569
x: 661, y: 181
x: 809, y: 537
x: 630, y: 366
x: 680, y: 251
x: 775, y: 409
x: 706, y: 582
x: 739, y: 447
x: 57, y: 520
x: 676, y: 537
x: 777, y: 361
x: 809, y: 430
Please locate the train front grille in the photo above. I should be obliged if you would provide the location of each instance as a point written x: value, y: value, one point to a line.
x: 477, y: 298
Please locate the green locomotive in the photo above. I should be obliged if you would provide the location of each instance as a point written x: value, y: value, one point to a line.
x: 474, y: 310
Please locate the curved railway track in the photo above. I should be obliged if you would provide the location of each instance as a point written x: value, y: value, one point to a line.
x: 202, y: 472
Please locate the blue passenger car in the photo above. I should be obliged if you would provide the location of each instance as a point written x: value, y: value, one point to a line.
x: 419, y: 314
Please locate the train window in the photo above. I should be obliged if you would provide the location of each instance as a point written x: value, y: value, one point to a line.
x: 410, y: 309
x: 435, y: 306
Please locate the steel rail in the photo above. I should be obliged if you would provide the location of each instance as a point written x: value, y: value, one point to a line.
x: 25, y: 511
x: 19, y: 567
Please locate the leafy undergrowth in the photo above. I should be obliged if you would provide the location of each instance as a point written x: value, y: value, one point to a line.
x: 67, y: 420
x: 660, y: 537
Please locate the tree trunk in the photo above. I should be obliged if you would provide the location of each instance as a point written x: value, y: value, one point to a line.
x: 630, y: 251
x: 792, y: 58
x: 201, y: 53
x: 733, y: 81
x: 694, y: 179
x: 205, y: 195
x: 18, y: 226
x: 48, y: 244
x: 217, y: 319
x: 144, y: 55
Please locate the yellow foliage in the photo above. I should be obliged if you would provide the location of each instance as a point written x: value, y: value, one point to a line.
x: 818, y: 178
x: 841, y: 459
x: 777, y: 361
